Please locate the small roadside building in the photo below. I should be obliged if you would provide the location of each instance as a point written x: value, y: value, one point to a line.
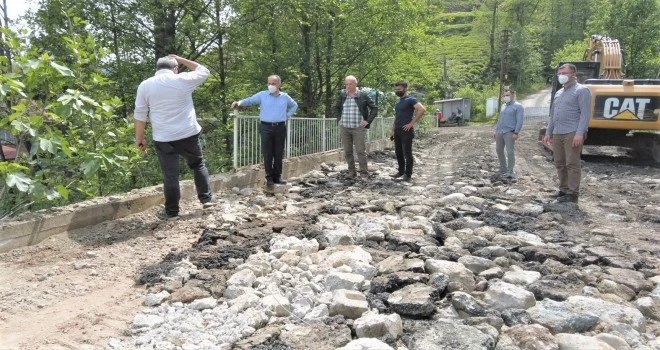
x: 8, y: 143
x: 452, y: 111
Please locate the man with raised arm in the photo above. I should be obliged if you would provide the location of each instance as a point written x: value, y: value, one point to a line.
x: 166, y: 101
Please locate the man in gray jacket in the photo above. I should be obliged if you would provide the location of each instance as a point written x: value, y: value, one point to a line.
x: 506, y: 132
x: 355, y: 111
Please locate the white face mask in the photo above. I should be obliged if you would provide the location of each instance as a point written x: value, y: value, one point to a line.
x: 272, y: 89
x: 562, y: 79
x: 506, y: 99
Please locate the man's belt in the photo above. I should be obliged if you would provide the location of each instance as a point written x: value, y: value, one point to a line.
x: 273, y: 123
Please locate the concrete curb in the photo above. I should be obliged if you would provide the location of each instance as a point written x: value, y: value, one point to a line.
x: 43, y: 224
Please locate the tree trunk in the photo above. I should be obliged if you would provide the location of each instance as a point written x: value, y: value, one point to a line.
x: 328, y: 72
x: 5, y: 50
x: 120, y: 71
x: 164, y: 31
x: 307, y: 93
x: 222, y: 70
x: 491, y: 59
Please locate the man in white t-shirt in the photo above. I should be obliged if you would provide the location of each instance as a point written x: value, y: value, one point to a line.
x: 166, y: 101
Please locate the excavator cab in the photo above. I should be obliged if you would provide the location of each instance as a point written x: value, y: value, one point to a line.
x: 585, y: 71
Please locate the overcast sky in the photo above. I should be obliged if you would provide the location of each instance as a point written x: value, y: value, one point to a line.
x: 17, y: 8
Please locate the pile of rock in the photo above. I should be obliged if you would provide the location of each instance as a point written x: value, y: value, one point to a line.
x: 412, y: 266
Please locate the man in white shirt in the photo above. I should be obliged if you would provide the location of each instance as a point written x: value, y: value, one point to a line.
x: 166, y: 100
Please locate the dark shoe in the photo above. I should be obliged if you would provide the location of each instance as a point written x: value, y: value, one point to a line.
x: 406, y: 178
x: 270, y: 182
x: 397, y: 175
x: 209, y: 204
x: 279, y: 181
x: 572, y: 198
x: 558, y: 194
x: 164, y: 215
x: 351, y: 175
x: 364, y: 175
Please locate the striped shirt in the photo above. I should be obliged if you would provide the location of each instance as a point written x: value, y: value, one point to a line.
x: 571, y: 110
x: 350, y: 114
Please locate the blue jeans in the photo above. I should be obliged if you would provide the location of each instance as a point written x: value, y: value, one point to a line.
x: 168, y: 157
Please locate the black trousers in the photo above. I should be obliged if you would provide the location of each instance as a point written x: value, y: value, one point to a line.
x: 168, y: 157
x: 273, y: 138
x: 403, y: 141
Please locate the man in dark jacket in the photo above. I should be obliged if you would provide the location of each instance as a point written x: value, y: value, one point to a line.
x: 355, y: 111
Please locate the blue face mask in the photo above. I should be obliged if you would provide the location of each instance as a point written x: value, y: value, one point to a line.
x: 562, y: 79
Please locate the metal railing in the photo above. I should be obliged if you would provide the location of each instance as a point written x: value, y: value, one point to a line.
x: 305, y: 136
x: 536, y: 113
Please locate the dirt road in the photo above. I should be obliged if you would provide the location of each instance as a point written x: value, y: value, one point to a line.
x: 77, y: 290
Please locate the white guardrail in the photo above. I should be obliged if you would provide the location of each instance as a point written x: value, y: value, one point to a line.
x: 307, y: 136
x: 536, y: 113
x: 304, y: 136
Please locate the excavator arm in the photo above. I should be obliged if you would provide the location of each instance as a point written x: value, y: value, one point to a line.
x: 607, y: 51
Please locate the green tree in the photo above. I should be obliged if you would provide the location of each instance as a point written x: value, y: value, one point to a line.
x: 571, y: 52
x: 635, y: 24
x: 64, y: 120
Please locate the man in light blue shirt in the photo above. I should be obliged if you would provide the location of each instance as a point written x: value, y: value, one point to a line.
x: 506, y: 133
x: 275, y: 108
x: 567, y: 130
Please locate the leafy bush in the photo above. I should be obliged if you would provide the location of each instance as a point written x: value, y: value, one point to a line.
x: 75, y: 146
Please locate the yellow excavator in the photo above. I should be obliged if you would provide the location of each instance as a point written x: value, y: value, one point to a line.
x: 624, y: 111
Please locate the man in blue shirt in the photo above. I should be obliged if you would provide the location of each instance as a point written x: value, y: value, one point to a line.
x: 407, y: 112
x: 275, y: 108
x: 506, y: 132
x: 567, y: 130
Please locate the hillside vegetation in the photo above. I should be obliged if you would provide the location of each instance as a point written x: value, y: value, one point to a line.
x: 69, y: 80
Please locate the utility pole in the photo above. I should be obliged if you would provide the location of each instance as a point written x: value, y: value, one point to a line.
x: 5, y: 50
x: 444, y: 76
x: 504, y: 64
